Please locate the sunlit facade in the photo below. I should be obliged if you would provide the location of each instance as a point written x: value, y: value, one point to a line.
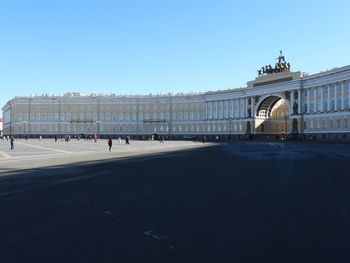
x: 295, y: 103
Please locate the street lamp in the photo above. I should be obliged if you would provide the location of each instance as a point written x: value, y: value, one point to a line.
x: 285, y: 117
x: 24, y: 128
x: 230, y: 121
x: 98, y: 128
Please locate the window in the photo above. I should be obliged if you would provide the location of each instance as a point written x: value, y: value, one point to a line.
x: 338, y: 124
x: 345, y: 123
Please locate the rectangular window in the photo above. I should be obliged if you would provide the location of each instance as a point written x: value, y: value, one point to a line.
x: 338, y: 124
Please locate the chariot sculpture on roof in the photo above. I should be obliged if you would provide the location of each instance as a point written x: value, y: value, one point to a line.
x: 280, y: 66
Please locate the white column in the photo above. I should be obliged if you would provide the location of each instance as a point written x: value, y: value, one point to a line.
x: 211, y: 105
x: 214, y: 109
x: 342, y: 96
x: 239, y: 108
x: 308, y: 100
x: 227, y: 109
x: 335, y: 97
x: 349, y: 95
x: 206, y: 110
x: 299, y: 102
x: 321, y: 98
x: 315, y: 99
x: 252, y: 108
x: 223, y: 109
x: 236, y: 108
x: 329, y: 97
x: 246, y: 107
x: 232, y: 108
x: 217, y: 110
x: 291, y: 102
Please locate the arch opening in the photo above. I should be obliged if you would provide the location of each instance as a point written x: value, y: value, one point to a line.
x: 272, y: 118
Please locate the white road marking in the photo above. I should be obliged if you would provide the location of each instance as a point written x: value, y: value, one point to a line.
x: 5, y: 155
x: 43, y: 148
x: 150, y: 234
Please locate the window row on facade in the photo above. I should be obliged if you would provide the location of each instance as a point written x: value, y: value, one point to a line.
x: 64, y: 128
x: 109, y: 116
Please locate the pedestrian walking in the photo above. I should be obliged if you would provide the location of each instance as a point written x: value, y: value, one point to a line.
x: 12, y: 142
x: 55, y: 138
x: 110, y: 143
x: 127, y: 140
x: 120, y: 140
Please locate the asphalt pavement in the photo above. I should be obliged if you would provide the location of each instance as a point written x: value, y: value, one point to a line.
x: 228, y: 202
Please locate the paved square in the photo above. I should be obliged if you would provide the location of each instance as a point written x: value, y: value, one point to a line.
x: 230, y: 202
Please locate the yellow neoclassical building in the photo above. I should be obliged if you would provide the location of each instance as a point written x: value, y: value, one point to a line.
x: 277, y: 103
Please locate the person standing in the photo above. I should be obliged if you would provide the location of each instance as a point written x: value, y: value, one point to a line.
x: 12, y: 142
x: 110, y: 143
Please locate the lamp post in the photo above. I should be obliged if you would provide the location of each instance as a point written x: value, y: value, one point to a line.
x: 24, y: 129
x: 285, y: 117
x: 230, y: 121
x: 98, y: 129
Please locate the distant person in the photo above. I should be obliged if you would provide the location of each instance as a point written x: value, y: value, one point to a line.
x: 55, y: 138
x: 127, y: 140
x: 95, y: 137
x: 120, y: 140
x: 12, y: 142
x: 40, y: 137
x: 110, y: 143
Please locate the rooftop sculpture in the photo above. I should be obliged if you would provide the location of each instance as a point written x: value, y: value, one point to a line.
x: 280, y: 66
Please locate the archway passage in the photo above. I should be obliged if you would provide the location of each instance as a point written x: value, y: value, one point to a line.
x: 271, y: 118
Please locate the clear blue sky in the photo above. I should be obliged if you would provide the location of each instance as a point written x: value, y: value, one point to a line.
x: 162, y: 46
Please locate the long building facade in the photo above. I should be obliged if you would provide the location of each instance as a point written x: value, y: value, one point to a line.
x: 273, y: 105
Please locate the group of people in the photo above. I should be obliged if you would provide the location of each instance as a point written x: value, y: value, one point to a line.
x: 110, y: 142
